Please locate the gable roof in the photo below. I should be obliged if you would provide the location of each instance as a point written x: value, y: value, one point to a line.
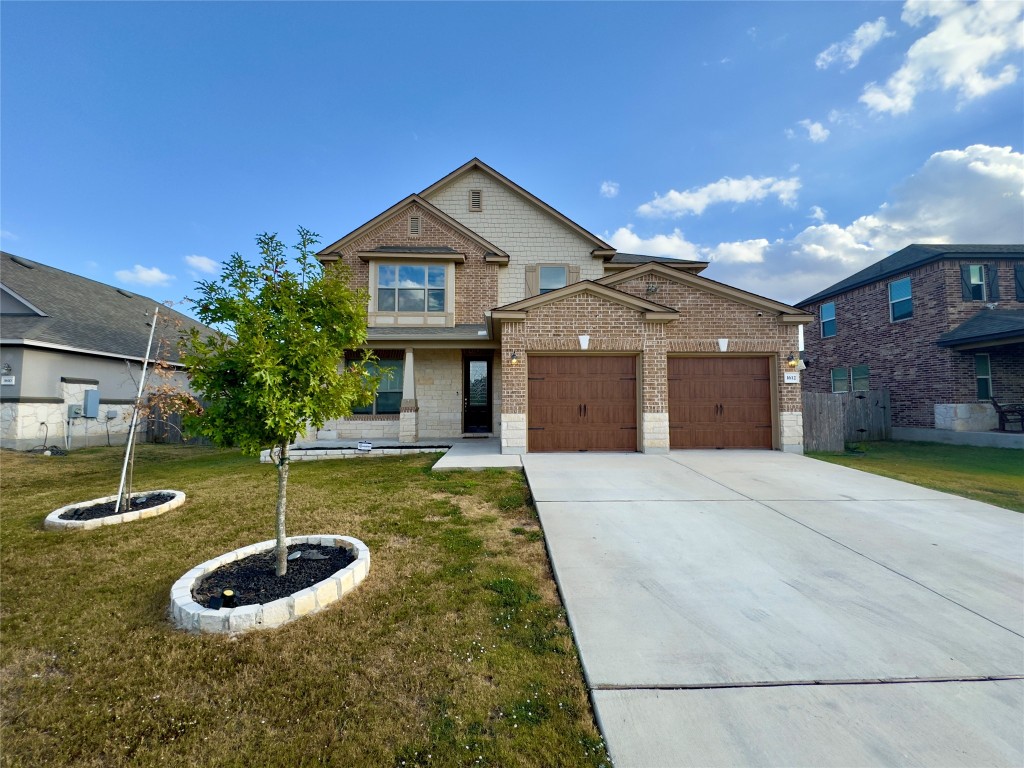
x: 82, y: 315
x: 621, y: 261
x: 335, y: 249
x: 911, y: 257
x: 652, y: 312
x: 988, y: 327
x: 601, y: 248
x: 787, y: 314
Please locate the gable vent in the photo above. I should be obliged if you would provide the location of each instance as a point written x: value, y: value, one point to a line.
x: 476, y: 200
x: 414, y: 225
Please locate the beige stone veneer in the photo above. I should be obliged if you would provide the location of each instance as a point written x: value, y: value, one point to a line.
x: 187, y: 614
x: 53, y: 521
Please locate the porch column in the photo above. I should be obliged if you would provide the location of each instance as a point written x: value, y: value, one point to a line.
x: 407, y: 428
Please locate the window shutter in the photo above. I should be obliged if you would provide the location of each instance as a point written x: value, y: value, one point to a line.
x: 572, y: 274
x: 992, y: 278
x: 965, y: 282
x: 1018, y: 280
x: 532, y: 280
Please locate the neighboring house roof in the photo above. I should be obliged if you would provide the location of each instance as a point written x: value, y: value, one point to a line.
x: 630, y: 260
x: 335, y: 249
x: 911, y: 257
x: 82, y: 315
x: 990, y: 325
x: 601, y: 248
x: 787, y: 314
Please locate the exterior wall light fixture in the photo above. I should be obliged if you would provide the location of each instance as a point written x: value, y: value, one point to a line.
x: 514, y: 359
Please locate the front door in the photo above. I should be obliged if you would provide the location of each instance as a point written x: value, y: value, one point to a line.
x: 476, y: 393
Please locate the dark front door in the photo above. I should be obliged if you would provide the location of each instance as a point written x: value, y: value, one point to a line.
x: 476, y: 394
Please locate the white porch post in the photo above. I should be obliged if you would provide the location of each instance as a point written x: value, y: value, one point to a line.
x: 407, y: 427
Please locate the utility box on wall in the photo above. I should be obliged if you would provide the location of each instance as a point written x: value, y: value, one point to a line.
x: 91, y: 409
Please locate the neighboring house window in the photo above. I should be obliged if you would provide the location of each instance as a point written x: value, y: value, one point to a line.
x: 389, y: 394
x: 553, y: 278
x: 840, y: 379
x: 979, y: 282
x: 901, y: 305
x: 983, y: 373
x: 476, y: 200
x: 410, y: 288
x: 828, y: 319
x: 860, y: 375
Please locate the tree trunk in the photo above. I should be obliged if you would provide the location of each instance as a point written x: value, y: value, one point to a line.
x: 282, y: 494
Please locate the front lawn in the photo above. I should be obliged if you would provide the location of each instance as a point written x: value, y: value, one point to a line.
x: 454, y: 652
x: 992, y: 475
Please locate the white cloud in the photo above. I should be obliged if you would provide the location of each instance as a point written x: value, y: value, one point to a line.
x: 609, y: 189
x: 675, y: 245
x: 6, y: 235
x: 143, y: 275
x: 971, y: 195
x: 202, y: 264
x: 849, y: 51
x: 816, y: 132
x: 725, y: 190
x: 963, y: 53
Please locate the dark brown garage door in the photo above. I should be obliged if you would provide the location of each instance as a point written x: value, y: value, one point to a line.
x: 719, y: 402
x: 582, y: 403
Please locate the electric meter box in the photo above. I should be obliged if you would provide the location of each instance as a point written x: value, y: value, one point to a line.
x: 91, y: 409
x: 74, y: 411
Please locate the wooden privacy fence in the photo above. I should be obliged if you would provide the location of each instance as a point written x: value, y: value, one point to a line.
x: 165, y: 427
x: 833, y: 419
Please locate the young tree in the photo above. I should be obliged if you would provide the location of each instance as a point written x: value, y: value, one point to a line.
x: 278, y: 365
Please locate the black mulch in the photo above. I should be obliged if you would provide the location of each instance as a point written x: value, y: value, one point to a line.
x: 254, y: 579
x: 106, y: 509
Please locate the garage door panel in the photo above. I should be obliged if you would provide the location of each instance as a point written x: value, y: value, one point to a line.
x: 582, y: 403
x: 720, y: 402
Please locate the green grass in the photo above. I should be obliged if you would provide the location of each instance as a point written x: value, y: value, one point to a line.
x: 992, y: 475
x: 454, y: 652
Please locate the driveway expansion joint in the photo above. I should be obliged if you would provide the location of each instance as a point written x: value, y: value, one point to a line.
x: 794, y: 683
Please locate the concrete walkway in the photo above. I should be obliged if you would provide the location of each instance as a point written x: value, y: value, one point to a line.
x: 761, y: 608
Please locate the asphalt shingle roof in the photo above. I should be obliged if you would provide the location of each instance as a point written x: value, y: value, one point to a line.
x: 637, y: 258
x: 909, y: 258
x: 462, y: 332
x: 987, y: 325
x: 84, y: 314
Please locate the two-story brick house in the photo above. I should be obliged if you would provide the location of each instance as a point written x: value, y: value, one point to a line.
x: 940, y: 326
x: 493, y: 313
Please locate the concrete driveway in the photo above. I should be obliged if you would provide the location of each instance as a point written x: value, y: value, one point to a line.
x: 760, y: 608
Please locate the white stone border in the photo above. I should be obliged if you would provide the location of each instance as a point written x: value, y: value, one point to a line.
x: 53, y: 521
x: 187, y: 614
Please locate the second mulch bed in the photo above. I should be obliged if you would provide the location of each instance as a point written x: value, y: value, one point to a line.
x: 255, y: 582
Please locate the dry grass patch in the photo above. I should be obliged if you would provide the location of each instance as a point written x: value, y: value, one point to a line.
x: 455, y: 650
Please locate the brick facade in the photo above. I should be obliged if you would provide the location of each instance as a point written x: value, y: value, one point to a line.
x: 903, y: 356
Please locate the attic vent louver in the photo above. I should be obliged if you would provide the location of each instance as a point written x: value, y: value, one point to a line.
x: 414, y: 225
x: 23, y: 263
x: 476, y: 202
x: 125, y: 293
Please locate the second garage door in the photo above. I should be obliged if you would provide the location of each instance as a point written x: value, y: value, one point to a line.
x: 581, y: 403
x: 719, y: 402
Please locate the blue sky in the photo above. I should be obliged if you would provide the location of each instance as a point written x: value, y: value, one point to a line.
x: 788, y: 143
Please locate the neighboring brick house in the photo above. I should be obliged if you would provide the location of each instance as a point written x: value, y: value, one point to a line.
x: 940, y: 326
x: 495, y: 314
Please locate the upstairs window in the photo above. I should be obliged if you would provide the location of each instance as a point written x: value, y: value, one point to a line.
x: 410, y: 288
x: 983, y: 375
x: 979, y: 282
x: 553, y: 278
x: 828, y: 320
x: 901, y: 305
x: 388, y: 399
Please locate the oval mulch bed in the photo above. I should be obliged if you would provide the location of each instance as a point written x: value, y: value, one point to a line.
x: 106, y: 508
x: 87, y: 515
x: 254, y: 579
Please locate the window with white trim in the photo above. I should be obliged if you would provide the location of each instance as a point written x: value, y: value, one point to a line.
x: 840, y: 379
x: 411, y: 287
x: 901, y: 305
x: 983, y: 375
x: 388, y: 399
x: 828, y: 319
